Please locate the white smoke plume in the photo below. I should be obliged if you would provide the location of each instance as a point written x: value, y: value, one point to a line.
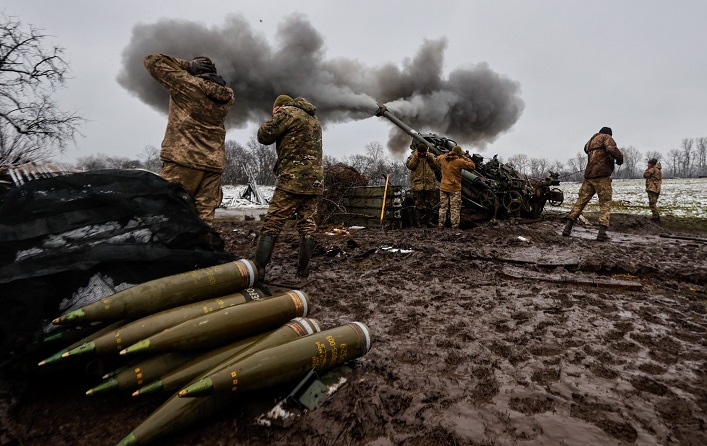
x: 472, y: 105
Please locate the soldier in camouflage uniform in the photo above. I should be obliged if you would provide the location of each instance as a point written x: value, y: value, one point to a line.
x: 193, y: 149
x: 422, y: 183
x: 602, y: 153
x: 450, y: 188
x: 295, y: 130
x: 654, y: 179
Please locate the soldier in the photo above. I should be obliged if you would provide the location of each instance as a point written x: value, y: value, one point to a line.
x: 295, y: 130
x: 654, y: 179
x: 422, y: 183
x: 193, y: 151
x: 601, y: 151
x: 450, y: 188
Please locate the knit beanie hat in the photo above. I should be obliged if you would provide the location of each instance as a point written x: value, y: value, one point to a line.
x: 457, y: 150
x: 653, y: 161
x: 282, y: 100
x: 606, y: 131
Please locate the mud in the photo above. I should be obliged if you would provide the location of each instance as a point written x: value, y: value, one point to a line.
x: 476, y: 342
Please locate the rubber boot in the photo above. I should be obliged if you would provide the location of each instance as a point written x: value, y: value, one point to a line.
x: 601, y: 236
x: 306, y: 244
x: 263, y: 253
x: 417, y: 217
x: 568, y: 227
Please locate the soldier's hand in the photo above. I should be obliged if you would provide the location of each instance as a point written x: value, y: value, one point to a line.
x: 199, y: 66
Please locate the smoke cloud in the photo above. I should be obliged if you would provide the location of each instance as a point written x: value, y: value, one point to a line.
x: 472, y: 106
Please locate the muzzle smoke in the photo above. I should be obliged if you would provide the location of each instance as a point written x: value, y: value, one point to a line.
x: 472, y: 106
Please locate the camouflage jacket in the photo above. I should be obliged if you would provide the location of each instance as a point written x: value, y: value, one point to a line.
x: 602, y: 151
x: 452, y: 165
x: 297, y: 135
x: 654, y: 178
x: 196, y: 134
x: 422, y: 175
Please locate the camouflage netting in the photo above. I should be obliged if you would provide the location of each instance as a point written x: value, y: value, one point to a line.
x: 60, y: 236
x: 339, y: 180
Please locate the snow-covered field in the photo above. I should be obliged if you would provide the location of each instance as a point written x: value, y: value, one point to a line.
x: 680, y: 197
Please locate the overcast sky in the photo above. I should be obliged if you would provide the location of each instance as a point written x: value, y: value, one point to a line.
x: 636, y: 66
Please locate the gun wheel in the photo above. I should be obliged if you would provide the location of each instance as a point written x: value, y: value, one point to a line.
x: 487, y: 199
x: 557, y: 197
x: 512, y: 201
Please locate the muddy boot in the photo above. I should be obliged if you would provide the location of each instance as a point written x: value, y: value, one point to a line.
x: 417, y: 218
x: 601, y: 236
x: 568, y: 227
x: 306, y: 244
x: 263, y: 253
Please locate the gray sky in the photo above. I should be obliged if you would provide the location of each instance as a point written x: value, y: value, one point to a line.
x: 636, y: 66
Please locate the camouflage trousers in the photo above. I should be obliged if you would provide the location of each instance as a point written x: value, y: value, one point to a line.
x: 204, y: 187
x: 284, y: 205
x: 602, y: 188
x: 653, y: 203
x: 424, y: 199
x: 453, y: 202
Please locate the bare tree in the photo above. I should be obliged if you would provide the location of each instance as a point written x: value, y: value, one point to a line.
x: 675, y: 161
x: 150, y: 159
x: 701, y: 149
x: 519, y: 163
x: 686, y: 153
x: 236, y: 158
x: 538, y: 167
x: 263, y: 159
x: 632, y: 157
x: 32, y: 126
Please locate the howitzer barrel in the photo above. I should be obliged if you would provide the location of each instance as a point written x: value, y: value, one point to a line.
x: 383, y: 111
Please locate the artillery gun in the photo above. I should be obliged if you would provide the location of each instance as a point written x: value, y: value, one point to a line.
x: 493, y: 189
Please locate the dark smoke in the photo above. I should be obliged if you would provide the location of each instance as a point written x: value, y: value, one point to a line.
x: 473, y: 106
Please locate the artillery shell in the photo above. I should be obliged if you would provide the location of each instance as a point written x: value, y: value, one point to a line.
x: 178, y: 413
x: 321, y: 352
x: 167, y: 292
x: 143, y: 372
x: 182, y: 375
x: 147, y: 326
x: 58, y: 355
x: 223, y: 326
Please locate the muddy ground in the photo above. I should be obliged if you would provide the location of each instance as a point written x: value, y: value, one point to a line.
x: 502, y: 334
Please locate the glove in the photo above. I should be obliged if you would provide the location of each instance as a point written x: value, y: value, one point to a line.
x: 619, y: 162
x: 200, y: 65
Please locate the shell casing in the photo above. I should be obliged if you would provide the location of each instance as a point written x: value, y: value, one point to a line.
x: 175, y: 378
x: 321, y: 352
x: 226, y: 325
x: 178, y: 413
x: 295, y: 328
x: 147, y: 326
x: 167, y: 292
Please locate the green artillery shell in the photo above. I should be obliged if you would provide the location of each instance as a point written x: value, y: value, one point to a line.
x: 167, y: 292
x: 175, y: 379
x: 282, y: 363
x: 145, y: 327
x: 178, y: 413
x: 226, y: 325
x: 58, y: 355
x: 143, y: 372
